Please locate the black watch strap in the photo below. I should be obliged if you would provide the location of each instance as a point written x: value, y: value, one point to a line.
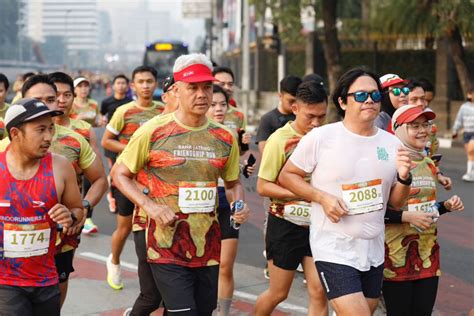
x: 74, y: 218
x: 407, y: 181
x: 87, y: 205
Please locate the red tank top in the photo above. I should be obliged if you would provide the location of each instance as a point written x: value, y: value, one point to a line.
x: 27, y: 233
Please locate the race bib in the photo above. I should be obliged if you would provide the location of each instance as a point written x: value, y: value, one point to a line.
x: 197, y: 197
x: 363, y: 197
x: 298, y: 213
x: 89, y: 115
x: 421, y: 207
x: 25, y: 240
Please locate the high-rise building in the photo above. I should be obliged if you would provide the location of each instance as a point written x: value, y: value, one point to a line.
x: 76, y: 21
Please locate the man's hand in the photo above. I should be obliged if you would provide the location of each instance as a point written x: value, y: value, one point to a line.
x: 420, y: 219
x: 163, y: 214
x: 60, y: 214
x: 246, y: 138
x: 445, y: 181
x: 241, y: 216
x: 404, y: 163
x: 76, y: 228
x: 454, y: 204
x: 334, y: 207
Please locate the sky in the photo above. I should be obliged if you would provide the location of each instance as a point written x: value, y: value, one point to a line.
x: 133, y: 25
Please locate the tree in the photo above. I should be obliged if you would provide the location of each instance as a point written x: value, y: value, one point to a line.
x: 435, y: 19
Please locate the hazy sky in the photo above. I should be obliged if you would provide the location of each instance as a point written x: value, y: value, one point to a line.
x: 131, y: 22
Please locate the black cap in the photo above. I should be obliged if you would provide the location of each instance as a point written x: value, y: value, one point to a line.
x: 26, y: 110
x: 167, y: 83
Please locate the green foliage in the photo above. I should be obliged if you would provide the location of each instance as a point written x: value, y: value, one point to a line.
x: 423, y: 17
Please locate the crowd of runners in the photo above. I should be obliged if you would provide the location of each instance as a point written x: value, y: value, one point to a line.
x: 353, y: 204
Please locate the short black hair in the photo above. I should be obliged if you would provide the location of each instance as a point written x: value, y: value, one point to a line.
x: 144, y: 68
x: 345, y: 82
x: 5, y: 81
x: 427, y: 85
x: 290, y: 84
x: 34, y: 80
x: 61, y: 77
x: 314, y: 77
x: 311, y: 92
x: 220, y: 69
x: 414, y: 83
x: 121, y: 76
x: 27, y: 75
x: 218, y: 89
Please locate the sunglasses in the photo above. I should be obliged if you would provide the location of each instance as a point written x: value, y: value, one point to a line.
x: 362, y: 96
x: 396, y: 91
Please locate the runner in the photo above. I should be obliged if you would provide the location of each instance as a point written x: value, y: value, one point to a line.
x: 269, y: 123
x: 394, y: 95
x: 4, y: 85
x: 465, y: 121
x: 84, y: 108
x: 179, y: 158
x: 19, y: 84
x: 229, y: 234
x: 38, y: 194
x: 79, y: 153
x: 125, y: 121
x: 412, y: 266
x: 65, y: 89
x: 169, y: 95
x: 287, y: 237
x: 355, y: 169
x: 234, y: 118
x: 120, y: 85
x: 278, y: 117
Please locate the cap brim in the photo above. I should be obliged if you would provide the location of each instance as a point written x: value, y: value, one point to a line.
x: 198, y: 78
x: 52, y: 113
x: 394, y: 83
x: 428, y: 114
x: 78, y: 82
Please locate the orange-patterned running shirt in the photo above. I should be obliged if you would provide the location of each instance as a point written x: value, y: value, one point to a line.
x: 181, y: 165
x: 409, y: 253
x: 88, y: 113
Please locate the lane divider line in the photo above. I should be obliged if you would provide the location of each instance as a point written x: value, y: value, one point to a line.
x: 240, y: 294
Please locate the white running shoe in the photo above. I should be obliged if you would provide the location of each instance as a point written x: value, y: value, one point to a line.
x: 127, y: 312
x: 114, y: 274
x: 468, y: 177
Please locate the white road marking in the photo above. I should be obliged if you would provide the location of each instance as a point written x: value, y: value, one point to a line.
x: 98, y: 257
x: 240, y: 294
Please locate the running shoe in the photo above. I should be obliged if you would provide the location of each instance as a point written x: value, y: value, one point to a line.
x: 266, y: 273
x: 112, y: 205
x: 114, y: 274
x: 127, y: 312
x: 468, y: 177
x: 89, y: 227
x: 300, y: 268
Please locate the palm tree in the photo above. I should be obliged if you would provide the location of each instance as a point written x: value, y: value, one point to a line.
x: 437, y: 19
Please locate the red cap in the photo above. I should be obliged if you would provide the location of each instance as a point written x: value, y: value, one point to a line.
x: 194, y: 73
x: 409, y: 113
x: 389, y: 80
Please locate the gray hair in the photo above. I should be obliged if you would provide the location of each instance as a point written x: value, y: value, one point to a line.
x: 184, y: 61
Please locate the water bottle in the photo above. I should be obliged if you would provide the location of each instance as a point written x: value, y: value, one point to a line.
x: 236, y: 207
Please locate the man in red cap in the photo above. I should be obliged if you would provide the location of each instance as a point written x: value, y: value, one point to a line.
x: 178, y: 158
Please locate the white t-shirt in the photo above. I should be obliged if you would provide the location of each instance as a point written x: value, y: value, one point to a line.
x: 350, y: 166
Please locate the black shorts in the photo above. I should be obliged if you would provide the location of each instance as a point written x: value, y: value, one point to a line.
x: 339, y: 280
x: 187, y: 290
x: 124, y: 206
x: 64, y: 265
x: 467, y: 137
x: 29, y: 300
x: 223, y: 211
x: 286, y: 243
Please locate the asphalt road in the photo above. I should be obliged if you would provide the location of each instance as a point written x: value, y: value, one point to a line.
x: 456, y: 238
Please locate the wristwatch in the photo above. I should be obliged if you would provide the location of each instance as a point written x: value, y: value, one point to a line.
x: 74, y: 219
x: 87, y: 205
x: 407, y: 181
